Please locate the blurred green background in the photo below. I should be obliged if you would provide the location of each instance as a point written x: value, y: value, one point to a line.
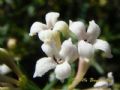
x: 17, y: 16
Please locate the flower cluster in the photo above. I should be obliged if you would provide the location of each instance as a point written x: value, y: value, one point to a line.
x: 61, y: 53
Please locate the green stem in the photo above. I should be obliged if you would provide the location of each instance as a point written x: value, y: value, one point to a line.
x: 8, y: 80
x: 9, y: 88
x: 26, y: 84
x: 97, y: 66
x: 50, y: 85
x: 6, y: 58
x: 82, y: 69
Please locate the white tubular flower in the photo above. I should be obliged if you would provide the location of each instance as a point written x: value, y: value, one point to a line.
x: 78, y: 28
x: 104, y: 46
x: 68, y: 51
x: 90, y: 44
x: 93, y: 31
x: 37, y: 27
x: 51, y: 19
x: 4, y: 69
x: 62, y: 27
x: 85, y: 49
x: 62, y: 71
x: 43, y: 65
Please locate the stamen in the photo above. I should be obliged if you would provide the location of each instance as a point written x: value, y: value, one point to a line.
x: 55, y: 59
x: 58, y: 61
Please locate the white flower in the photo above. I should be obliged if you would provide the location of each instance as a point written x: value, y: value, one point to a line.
x: 50, y: 18
x: 57, y: 58
x: 4, y: 69
x: 88, y: 41
x: 43, y: 65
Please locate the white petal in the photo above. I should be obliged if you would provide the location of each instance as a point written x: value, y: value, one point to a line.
x: 111, y: 78
x: 43, y: 65
x: 93, y: 31
x: 50, y: 49
x: 62, y: 71
x: 70, y: 22
x: 4, y: 69
x: 37, y: 27
x: 51, y: 18
x: 49, y: 36
x: 85, y: 49
x: 68, y: 51
x: 104, y: 46
x: 101, y: 83
x: 62, y: 27
x: 78, y: 28
x: 46, y: 36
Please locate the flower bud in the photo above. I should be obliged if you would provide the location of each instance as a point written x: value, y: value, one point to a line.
x: 12, y: 42
x: 4, y: 69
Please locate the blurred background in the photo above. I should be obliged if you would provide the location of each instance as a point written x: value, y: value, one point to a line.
x: 17, y: 16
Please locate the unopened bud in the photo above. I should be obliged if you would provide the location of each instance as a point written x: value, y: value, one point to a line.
x: 11, y: 44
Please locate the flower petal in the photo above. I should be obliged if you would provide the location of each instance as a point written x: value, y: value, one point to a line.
x: 93, y: 31
x: 4, y: 69
x: 101, y: 83
x: 111, y: 78
x: 37, y: 27
x: 62, y: 27
x: 62, y: 71
x: 104, y: 46
x: 85, y: 49
x: 51, y: 19
x: 48, y: 36
x: 50, y: 49
x: 43, y: 65
x: 78, y: 28
x: 68, y: 51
